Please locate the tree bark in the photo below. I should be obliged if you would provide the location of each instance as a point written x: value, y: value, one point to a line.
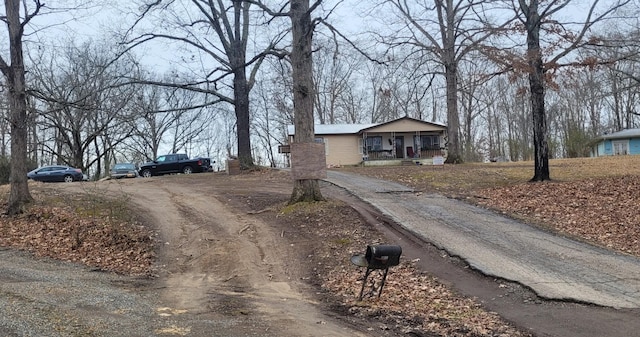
x: 241, y: 106
x: 454, y: 150
x: 536, y: 85
x: 238, y: 59
x: 448, y: 32
x: 303, y: 96
x: 14, y: 73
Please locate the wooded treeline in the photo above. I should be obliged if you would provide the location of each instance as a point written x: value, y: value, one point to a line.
x: 95, y: 102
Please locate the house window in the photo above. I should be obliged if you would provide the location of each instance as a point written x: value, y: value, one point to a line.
x: 427, y: 142
x: 620, y: 148
x: 374, y: 143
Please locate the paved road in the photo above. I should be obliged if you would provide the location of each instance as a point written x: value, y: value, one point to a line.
x: 552, y: 266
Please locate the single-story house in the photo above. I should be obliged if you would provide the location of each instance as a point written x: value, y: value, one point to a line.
x: 618, y: 143
x: 390, y: 143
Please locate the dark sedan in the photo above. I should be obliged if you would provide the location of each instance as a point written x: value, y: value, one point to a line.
x: 56, y: 173
x: 123, y: 170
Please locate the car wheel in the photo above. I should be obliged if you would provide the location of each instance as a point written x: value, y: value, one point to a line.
x: 68, y: 179
x: 187, y: 170
x: 146, y: 173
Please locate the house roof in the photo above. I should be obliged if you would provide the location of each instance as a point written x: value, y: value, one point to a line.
x: 343, y: 129
x: 333, y: 129
x: 628, y: 133
x: 404, y: 118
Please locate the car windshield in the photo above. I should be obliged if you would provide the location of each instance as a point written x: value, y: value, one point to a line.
x: 124, y: 167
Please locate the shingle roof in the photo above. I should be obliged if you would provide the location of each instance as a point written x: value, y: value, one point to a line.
x: 334, y: 129
x: 628, y: 133
x: 345, y: 129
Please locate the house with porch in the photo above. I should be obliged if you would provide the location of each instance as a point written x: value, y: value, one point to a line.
x: 618, y: 143
x: 403, y: 140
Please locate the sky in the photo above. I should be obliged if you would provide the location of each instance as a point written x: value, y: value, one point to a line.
x: 105, y: 19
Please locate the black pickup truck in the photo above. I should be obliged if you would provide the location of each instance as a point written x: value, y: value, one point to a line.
x: 174, y: 163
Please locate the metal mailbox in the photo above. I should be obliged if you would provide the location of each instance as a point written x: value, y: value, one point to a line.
x: 377, y: 257
x: 383, y: 256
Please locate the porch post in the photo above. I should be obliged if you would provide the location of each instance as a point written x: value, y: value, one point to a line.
x: 393, y: 144
x: 417, y: 143
x: 365, y: 151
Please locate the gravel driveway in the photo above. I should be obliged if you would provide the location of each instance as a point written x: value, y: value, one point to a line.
x: 43, y: 297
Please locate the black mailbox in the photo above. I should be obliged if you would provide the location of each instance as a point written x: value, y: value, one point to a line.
x: 379, y: 257
x: 383, y: 256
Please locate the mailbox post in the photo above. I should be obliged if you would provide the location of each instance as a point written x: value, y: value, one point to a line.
x: 377, y: 257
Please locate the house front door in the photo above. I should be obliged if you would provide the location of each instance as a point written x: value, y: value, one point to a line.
x: 399, y: 147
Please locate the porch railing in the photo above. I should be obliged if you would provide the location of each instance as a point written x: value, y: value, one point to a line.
x: 389, y: 155
x: 431, y: 153
x: 379, y: 155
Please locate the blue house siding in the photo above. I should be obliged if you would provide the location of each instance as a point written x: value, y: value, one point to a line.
x: 608, y: 148
x: 625, y: 142
x: 634, y: 146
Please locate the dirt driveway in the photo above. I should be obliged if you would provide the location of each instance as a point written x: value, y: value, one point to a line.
x: 221, y: 273
x: 228, y: 263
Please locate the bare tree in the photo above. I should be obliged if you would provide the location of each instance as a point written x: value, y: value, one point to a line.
x: 332, y: 76
x: 454, y: 33
x: 621, y: 80
x: 508, y: 119
x: 534, y: 14
x: 265, y: 124
x: 166, y: 116
x: 471, y: 107
x: 228, y: 27
x: 83, y: 97
x: 581, y: 102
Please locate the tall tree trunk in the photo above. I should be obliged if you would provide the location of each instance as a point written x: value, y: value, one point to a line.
x: 449, y: 31
x: 536, y: 84
x: 454, y: 150
x: 19, y: 194
x: 241, y: 88
x: 241, y: 106
x: 303, y: 96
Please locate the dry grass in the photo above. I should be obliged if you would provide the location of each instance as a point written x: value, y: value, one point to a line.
x: 465, y: 178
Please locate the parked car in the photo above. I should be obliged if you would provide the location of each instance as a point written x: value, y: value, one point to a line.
x: 123, y: 170
x: 174, y: 163
x: 56, y: 173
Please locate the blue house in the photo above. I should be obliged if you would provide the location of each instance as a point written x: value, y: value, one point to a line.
x: 618, y: 143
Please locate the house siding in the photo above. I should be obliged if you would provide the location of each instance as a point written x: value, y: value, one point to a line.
x: 625, y: 142
x: 342, y: 150
x: 600, y: 149
x: 634, y: 146
x: 606, y: 147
